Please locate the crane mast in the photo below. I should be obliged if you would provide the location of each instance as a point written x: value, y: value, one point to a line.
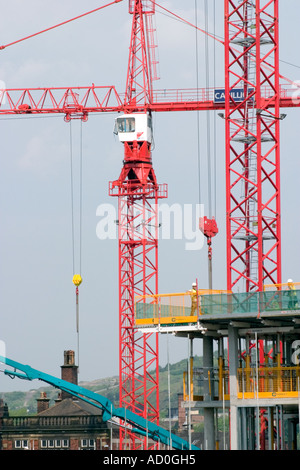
x: 252, y: 144
x: 138, y: 193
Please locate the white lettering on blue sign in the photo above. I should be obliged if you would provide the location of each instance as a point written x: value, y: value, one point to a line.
x: 236, y: 93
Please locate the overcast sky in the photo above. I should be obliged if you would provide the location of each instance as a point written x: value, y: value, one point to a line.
x: 37, y: 301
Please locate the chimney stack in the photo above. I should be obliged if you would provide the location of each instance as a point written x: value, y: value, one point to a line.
x: 69, y: 371
x: 3, y: 409
x: 42, y: 402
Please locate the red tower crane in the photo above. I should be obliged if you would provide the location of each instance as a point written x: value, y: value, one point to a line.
x: 253, y: 98
x: 252, y: 143
x: 138, y: 193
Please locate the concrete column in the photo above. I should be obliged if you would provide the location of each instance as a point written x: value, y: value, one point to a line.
x: 207, y: 365
x: 251, y: 427
x: 208, y: 413
x: 243, y: 437
x: 233, y: 366
x: 290, y: 435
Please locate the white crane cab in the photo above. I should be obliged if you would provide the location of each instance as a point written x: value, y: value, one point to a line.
x: 134, y: 127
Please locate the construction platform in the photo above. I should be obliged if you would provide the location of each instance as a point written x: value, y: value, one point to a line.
x: 251, y: 357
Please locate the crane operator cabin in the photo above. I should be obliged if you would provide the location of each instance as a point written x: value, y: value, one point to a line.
x: 134, y: 127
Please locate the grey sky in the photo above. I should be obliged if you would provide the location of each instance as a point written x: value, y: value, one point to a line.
x: 37, y: 301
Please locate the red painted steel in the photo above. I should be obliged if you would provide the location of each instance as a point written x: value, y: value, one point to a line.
x: 139, y: 80
x: 252, y: 144
x: 76, y: 102
x: 252, y: 168
x: 71, y: 101
x: 138, y: 194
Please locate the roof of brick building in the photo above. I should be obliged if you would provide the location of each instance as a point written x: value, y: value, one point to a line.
x: 71, y: 407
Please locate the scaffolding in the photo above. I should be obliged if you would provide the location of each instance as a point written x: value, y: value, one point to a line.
x: 253, y: 374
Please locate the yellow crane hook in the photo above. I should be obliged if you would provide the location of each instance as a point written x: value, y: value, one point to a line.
x: 77, y: 280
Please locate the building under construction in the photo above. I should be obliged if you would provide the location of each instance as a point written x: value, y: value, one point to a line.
x: 250, y: 360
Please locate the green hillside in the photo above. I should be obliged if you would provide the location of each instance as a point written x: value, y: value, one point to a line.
x: 24, y: 403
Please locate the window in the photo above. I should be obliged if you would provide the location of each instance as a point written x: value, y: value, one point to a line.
x: 88, y: 444
x: 84, y: 442
x: 65, y: 443
x: 125, y: 125
x: 51, y: 443
x: 58, y: 443
x: 43, y: 444
x: 54, y: 443
x: 21, y: 444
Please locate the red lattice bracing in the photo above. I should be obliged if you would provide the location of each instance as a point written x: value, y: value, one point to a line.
x: 138, y: 194
x: 80, y: 102
x: 139, y: 76
x: 252, y: 144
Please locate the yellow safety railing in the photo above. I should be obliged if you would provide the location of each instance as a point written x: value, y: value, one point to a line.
x: 178, y: 308
x: 283, y: 286
x: 264, y: 382
x: 218, y: 384
x: 269, y: 382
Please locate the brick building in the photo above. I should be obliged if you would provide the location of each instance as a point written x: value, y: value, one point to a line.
x: 70, y: 424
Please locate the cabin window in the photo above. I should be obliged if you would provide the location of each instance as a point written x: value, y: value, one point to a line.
x: 125, y: 124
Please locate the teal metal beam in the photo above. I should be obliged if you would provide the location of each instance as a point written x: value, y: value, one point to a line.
x: 140, y: 424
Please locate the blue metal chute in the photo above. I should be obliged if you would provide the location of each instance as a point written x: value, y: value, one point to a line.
x: 139, y: 424
x: 31, y: 374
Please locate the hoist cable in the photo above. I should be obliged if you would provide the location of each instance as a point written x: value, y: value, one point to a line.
x: 72, y: 178
x: 207, y: 65
x: 215, y: 115
x: 198, y: 112
x: 58, y: 25
x: 80, y: 202
x: 72, y: 200
x: 76, y: 277
x: 220, y: 39
x: 216, y: 38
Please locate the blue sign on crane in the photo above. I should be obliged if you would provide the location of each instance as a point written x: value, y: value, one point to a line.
x: 236, y: 93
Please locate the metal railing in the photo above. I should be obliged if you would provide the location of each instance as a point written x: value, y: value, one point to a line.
x: 269, y: 382
x: 262, y: 382
x: 212, y: 383
x: 188, y: 308
x: 53, y: 422
x: 251, y: 302
x: 183, y: 307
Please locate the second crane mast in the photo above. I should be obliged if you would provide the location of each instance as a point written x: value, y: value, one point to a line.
x: 252, y: 144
